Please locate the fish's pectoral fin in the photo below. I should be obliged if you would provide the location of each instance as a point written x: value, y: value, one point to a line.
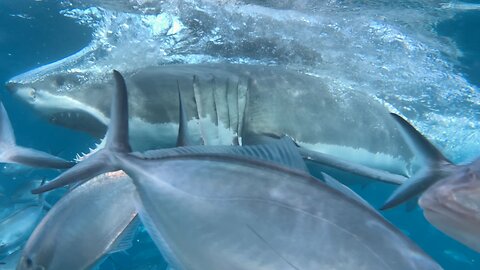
x: 10, y: 152
x: 432, y: 172
x: 104, y: 160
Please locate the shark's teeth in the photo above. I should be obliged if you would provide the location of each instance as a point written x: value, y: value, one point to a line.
x: 83, y: 156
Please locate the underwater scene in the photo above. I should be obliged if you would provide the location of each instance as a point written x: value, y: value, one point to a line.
x: 239, y: 134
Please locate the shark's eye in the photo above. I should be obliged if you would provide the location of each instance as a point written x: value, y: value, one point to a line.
x: 32, y: 93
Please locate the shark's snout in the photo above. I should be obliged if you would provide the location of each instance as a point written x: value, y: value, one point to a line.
x: 12, y: 86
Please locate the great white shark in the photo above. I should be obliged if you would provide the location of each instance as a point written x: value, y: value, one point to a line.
x: 224, y: 104
x: 228, y: 211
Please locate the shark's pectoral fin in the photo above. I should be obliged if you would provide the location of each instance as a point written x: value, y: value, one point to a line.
x: 10, y: 152
x: 433, y: 171
x: 411, y: 188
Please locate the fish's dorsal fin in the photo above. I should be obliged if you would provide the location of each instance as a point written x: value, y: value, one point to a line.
x: 117, y: 134
x: 10, y: 152
x: 183, y: 138
x: 282, y: 151
x: 101, y: 161
x: 433, y: 171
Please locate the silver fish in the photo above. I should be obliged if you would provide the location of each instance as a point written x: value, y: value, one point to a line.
x: 91, y: 221
x: 15, y: 229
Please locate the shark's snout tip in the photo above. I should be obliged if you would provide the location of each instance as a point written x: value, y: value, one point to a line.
x: 11, y: 86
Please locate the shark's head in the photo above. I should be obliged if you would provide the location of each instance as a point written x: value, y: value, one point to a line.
x: 64, y: 97
x: 453, y: 204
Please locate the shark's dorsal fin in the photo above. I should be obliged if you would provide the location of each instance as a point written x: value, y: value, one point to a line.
x: 10, y: 152
x: 435, y: 163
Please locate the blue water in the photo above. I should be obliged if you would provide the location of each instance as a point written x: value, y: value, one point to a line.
x: 34, y: 33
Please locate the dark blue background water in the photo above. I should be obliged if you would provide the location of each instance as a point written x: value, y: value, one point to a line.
x: 46, y: 36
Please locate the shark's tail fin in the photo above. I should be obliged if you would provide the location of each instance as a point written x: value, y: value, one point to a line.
x: 105, y: 159
x: 10, y: 152
x: 436, y: 165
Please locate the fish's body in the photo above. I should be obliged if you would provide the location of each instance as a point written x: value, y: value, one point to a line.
x: 453, y: 205
x: 223, y: 212
x: 89, y: 222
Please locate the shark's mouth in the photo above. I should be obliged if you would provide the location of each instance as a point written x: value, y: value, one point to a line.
x: 79, y: 120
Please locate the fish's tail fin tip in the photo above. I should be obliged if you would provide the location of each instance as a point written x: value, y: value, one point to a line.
x: 105, y: 160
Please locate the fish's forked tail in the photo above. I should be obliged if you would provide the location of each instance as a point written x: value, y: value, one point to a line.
x: 105, y: 160
x: 10, y: 152
x: 436, y: 167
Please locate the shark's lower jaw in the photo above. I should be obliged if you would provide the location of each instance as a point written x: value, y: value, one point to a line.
x: 78, y: 120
